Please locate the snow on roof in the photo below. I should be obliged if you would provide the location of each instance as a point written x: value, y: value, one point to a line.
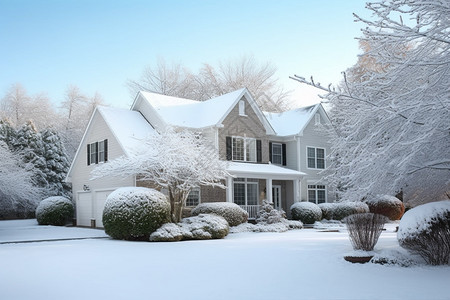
x: 254, y: 170
x: 291, y: 122
x: 191, y: 113
x: 129, y: 127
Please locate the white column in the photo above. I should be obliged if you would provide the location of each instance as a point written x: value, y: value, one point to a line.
x: 229, y: 190
x: 297, y: 190
x: 269, y: 190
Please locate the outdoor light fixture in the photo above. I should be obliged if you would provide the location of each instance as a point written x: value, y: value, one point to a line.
x: 86, y: 188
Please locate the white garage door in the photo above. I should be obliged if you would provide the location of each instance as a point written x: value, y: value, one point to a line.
x: 100, y: 198
x: 84, y: 209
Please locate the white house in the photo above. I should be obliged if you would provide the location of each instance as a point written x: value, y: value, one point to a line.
x: 273, y: 156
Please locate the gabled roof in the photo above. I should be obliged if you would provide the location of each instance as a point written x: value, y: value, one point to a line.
x: 293, y: 122
x: 127, y: 126
x: 182, y: 112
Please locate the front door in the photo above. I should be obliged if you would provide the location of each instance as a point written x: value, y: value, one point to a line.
x: 276, y: 194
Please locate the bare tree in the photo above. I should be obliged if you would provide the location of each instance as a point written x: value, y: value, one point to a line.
x: 210, y: 81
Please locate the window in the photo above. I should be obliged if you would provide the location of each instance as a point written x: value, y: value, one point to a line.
x: 245, y: 191
x: 194, y: 198
x: 244, y: 149
x: 242, y: 108
x: 317, y: 119
x: 277, y: 154
x: 317, y: 194
x: 316, y: 158
x: 97, y: 152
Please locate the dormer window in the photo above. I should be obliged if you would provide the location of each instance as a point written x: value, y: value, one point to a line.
x: 242, y: 108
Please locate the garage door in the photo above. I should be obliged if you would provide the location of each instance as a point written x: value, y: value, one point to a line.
x: 100, y: 198
x: 84, y: 209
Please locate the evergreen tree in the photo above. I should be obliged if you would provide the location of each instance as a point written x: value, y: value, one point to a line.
x: 29, y: 145
x: 57, y: 163
x: 8, y: 134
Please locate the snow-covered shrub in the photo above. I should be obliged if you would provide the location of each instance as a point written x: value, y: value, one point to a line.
x: 231, y: 212
x: 269, y: 215
x: 306, y: 212
x: 201, y: 227
x: 133, y: 213
x: 345, y: 209
x: 386, y: 205
x: 327, y: 210
x: 425, y: 230
x: 393, y: 257
x: 364, y: 230
x: 55, y: 210
x: 282, y: 226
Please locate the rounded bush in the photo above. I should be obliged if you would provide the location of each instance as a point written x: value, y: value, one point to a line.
x: 388, y: 206
x: 201, y: 227
x: 345, y: 209
x: 133, y: 213
x: 56, y: 210
x: 425, y: 230
x: 306, y: 212
x: 231, y: 212
x: 327, y: 210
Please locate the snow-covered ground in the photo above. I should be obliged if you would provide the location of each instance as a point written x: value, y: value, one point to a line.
x: 299, y: 264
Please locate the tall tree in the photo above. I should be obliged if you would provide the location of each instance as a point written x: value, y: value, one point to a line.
x: 176, y: 161
x: 209, y: 81
x: 393, y: 120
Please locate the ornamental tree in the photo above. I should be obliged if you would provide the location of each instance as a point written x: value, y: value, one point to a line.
x: 176, y: 161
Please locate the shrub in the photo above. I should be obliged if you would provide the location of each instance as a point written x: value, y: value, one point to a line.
x: 386, y: 205
x: 229, y: 211
x: 306, y: 212
x: 56, y: 210
x: 269, y: 215
x: 133, y: 213
x: 201, y: 227
x: 327, y: 210
x: 345, y: 209
x: 364, y: 230
x: 425, y: 230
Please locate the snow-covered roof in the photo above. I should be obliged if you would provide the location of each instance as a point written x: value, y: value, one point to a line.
x: 291, y: 122
x: 253, y: 170
x: 190, y: 113
x: 129, y: 127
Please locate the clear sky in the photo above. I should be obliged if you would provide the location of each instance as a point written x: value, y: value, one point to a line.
x: 97, y: 45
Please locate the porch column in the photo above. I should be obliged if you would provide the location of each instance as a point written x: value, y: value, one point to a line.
x: 297, y: 190
x: 269, y: 196
x: 229, y: 190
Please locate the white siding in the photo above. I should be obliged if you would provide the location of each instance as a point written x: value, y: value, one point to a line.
x: 291, y: 155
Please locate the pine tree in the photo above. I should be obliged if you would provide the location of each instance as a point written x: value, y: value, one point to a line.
x: 57, y: 163
x: 8, y: 134
x: 29, y: 145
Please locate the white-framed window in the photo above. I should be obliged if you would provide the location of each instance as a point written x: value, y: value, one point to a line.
x: 277, y: 153
x: 317, y: 193
x: 244, y: 149
x: 97, y: 152
x: 317, y: 118
x: 245, y: 191
x: 193, y: 198
x: 242, y: 108
x: 316, y: 158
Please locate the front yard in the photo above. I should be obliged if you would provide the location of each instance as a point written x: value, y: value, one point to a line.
x: 299, y: 264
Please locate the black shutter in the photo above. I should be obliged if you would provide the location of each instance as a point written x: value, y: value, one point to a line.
x: 270, y: 152
x: 283, y: 158
x: 96, y: 152
x: 229, y: 148
x: 88, y: 154
x: 258, y: 151
x: 105, y: 142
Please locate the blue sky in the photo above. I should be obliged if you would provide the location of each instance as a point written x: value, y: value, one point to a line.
x: 97, y: 45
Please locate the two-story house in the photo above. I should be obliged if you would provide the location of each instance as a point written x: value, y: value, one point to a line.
x: 271, y: 156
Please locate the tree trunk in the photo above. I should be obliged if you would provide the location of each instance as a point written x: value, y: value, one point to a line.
x: 177, y: 202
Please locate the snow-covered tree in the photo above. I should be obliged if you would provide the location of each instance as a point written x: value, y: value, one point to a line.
x: 7, y: 133
x: 209, y: 81
x: 18, y: 196
x: 175, y: 161
x: 56, y: 162
x: 391, y: 113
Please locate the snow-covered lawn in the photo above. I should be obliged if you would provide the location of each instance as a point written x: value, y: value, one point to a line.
x: 299, y: 264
